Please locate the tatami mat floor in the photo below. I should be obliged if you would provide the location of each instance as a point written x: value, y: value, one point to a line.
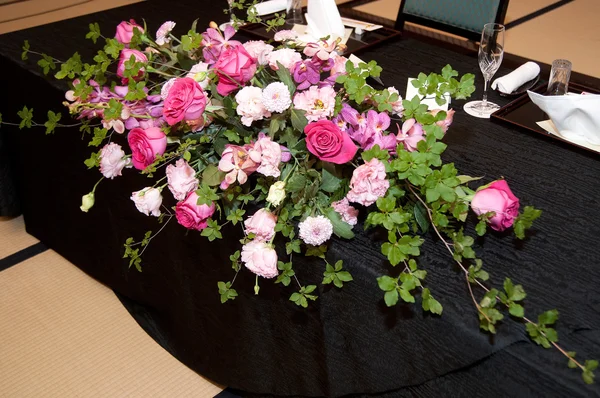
x: 50, y: 349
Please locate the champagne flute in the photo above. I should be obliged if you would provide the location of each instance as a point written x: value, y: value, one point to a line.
x: 491, y: 52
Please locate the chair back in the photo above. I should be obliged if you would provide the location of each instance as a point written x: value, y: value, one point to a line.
x: 460, y: 17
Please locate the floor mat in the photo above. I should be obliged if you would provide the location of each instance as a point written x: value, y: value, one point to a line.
x: 13, y: 237
x: 69, y: 336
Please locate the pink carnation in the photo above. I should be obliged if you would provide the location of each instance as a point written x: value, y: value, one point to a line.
x: 260, y: 258
x: 317, y: 102
x: 368, y: 183
x: 259, y: 50
x: 348, y: 213
x: 270, y: 155
x: 181, y: 179
x: 112, y: 160
x: 286, y: 57
x: 262, y: 225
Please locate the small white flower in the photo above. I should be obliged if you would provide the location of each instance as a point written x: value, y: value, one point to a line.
x: 276, y: 193
x: 162, y: 34
x: 276, y: 97
x: 315, y: 230
x: 87, y: 201
x: 148, y: 201
x: 199, y: 73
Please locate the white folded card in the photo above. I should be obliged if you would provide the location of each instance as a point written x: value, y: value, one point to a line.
x: 270, y: 6
x: 576, y: 117
x: 524, y: 73
x: 411, y: 91
x: 323, y: 19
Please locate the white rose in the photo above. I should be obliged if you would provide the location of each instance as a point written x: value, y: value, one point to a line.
x: 148, y: 201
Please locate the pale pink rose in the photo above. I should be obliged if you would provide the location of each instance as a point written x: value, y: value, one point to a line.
x: 112, y: 160
x: 125, y: 31
x: 192, y: 215
x: 145, y: 145
x: 348, y: 213
x: 250, y: 106
x: 181, y: 179
x: 270, y: 155
x: 326, y: 141
x: 148, y: 201
x: 185, y: 101
x: 286, y: 57
x: 318, y: 103
x: 497, y: 197
x: 238, y: 163
x: 235, y: 67
x: 260, y: 258
x: 262, y: 225
x: 410, y: 135
x: 368, y: 183
x: 162, y: 34
x: 315, y: 230
x: 259, y: 50
x: 125, y: 56
x: 444, y: 124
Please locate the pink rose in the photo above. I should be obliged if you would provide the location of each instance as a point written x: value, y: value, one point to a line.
x: 145, y: 145
x: 262, y: 225
x: 125, y: 56
x: 112, y: 160
x: 185, y: 101
x: 125, y: 31
x: 148, y: 201
x: 192, y: 215
x: 497, y: 197
x: 181, y: 179
x: 325, y: 140
x: 368, y: 183
x: 444, y: 124
x: 260, y: 258
x: 235, y: 67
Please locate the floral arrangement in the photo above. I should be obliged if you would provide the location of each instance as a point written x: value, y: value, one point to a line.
x: 298, y: 132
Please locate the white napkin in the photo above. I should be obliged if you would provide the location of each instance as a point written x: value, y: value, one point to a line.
x: 270, y: 6
x: 324, y: 19
x: 524, y: 73
x: 576, y: 117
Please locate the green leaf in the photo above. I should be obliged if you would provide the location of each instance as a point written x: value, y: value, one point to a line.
x: 296, y: 183
x: 26, y: 116
x: 25, y: 49
x: 391, y: 298
x: 94, y: 32
x: 387, y: 283
x: 406, y: 296
x: 548, y: 317
x: 340, y: 228
x: 53, y: 119
x: 99, y: 136
x: 299, y: 120
x: 286, y: 78
x: 588, y: 377
x: 93, y: 160
x: 421, y: 217
x: 516, y: 310
x: 212, y: 176
x: 571, y: 364
x: 329, y: 182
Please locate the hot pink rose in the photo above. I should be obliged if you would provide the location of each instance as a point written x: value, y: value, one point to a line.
x: 181, y: 179
x: 192, y: 215
x: 125, y: 56
x: 145, y: 145
x: 261, y: 224
x: 260, y: 258
x: 235, y: 67
x: 125, y: 31
x: 185, y: 101
x: 497, y: 197
x: 368, y: 183
x: 325, y: 140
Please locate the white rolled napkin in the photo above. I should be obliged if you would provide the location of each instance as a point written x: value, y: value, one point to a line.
x: 524, y: 73
x: 576, y: 117
x: 270, y: 6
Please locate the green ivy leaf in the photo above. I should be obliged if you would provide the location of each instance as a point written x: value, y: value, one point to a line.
x: 26, y: 116
x: 298, y: 119
x: 212, y: 176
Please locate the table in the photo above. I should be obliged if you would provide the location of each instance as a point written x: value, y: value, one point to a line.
x: 347, y: 341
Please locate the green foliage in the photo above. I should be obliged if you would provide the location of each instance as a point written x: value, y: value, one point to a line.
x: 191, y: 41
x: 226, y: 291
x: 94, y: 32
x: 235, y: 261
x: 99, y: 136
x: 301, y: 297
x: 476, y: 272
x: 340, y: 227
x: 212, y: 231
x: 26, y: 116
x: 436, y: 85
x: 46, y: 63
x: 489, y: 316
x: 430, y: 304
x: 70, y: 68
x: 588, y: 371
x: 525, y: 220
x: 334, y: 274
x: 25, y: 49
x: 541, y: 332
x: 212, y: 176
x: 286, y: 274
x: 206, y: 194
x: 236, y: 216
x: 93, y: 160
x: 53, y: 119
x: 298, y: 118
x: 285, y: 77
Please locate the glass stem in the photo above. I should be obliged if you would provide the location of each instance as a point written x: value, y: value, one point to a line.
x: 484, y: 100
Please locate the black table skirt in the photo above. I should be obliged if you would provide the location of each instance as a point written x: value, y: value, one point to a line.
x: 348, y: 341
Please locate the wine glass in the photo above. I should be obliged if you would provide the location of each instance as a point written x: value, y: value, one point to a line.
x: 491, y: 51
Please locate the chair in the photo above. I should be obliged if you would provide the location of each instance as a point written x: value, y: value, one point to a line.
x: 460, y: 17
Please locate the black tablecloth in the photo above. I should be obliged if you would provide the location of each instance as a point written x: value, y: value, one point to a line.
x: 348, y: 341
